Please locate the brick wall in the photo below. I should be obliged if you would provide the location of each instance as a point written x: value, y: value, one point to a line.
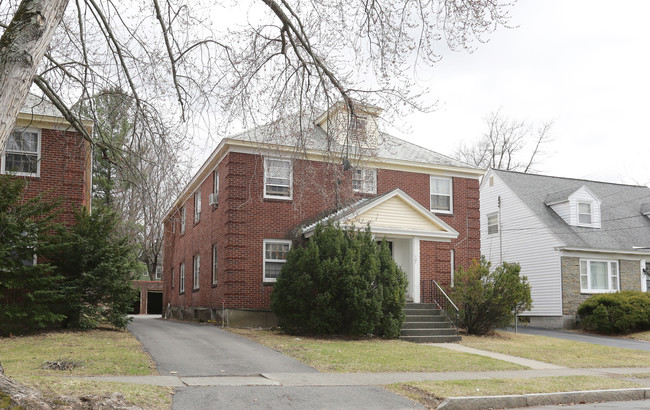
x: 243, y: 219
x: 63, y: 172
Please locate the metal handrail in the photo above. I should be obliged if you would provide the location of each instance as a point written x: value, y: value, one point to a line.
x: 438, y: 296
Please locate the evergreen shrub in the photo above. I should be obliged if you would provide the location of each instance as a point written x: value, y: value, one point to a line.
x: 341, y: 282
x: 621, y: 312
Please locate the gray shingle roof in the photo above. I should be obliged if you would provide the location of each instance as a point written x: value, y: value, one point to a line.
x: 39, y: 106
x: 623, y: 225
x: 286, y: 133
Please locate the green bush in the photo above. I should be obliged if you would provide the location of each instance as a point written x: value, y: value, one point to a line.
x: 487, y: 298
x: 621, y: 312
x: 340, y: 282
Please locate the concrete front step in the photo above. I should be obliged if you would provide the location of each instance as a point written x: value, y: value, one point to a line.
x: 425, y: 318
x: 427, y: 325
x: 415, y: 312
x: 431, y: 339
x: 428, y: 332
x: 420, y: 306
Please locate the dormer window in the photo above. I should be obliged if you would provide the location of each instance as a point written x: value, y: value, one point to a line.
x: 584, y: 213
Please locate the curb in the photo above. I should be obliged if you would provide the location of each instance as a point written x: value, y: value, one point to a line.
x: 542, y: 399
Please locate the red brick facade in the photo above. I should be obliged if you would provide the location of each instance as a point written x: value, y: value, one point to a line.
x: 65, y: 172
x: 243, y: 218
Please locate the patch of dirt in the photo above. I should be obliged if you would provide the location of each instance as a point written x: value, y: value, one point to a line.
x: 425, y: 398
x: 14, y: 395
x: 61, y: 365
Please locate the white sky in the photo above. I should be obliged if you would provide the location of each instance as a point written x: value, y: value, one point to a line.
x: 584, y: 64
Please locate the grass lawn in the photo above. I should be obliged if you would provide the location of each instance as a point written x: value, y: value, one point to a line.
x: 560, y: 352
x: 373, y: 355
x: 641, y: 336
x: 99, y: 352
x: 430, y: 393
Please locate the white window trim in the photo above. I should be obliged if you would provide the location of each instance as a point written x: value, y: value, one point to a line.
x: 365, y: 173
x: 196, y: 271
x: 644, y: 278
x: 492, y: 214
x: 215, y: 264
x: 215, y: 184
x: 3, y: 153
x: 451, y: 195
x: 269, y: 196
x: 158, y: 272
x: 183, y: 217
x: 609, y: 276
x: 264, y: 260
x: 197, y: 206
x: 181, y: 278
x: 591, y: 213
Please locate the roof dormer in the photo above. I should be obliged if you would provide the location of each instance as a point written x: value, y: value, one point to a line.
x: 356, y: 127
x: 579, y: 208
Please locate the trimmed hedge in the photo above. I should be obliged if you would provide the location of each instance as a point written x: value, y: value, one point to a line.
x: 620, y: 312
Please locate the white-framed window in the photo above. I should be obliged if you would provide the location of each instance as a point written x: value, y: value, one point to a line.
x: 278, y: 178
x: 196, y: 271
x: 364, y: 180
x: 358, y: 124
x: 22, y: 153
x: 173, y: 278
x: 584, y: 213
x: 275, y: 256
x: 182, y: 220
x: 158, y: 274
x: 215, y: 186
x: 441, y: 195
x: 598, y: 276
x: 197, y: 206
x: 493, y: 223
x: 215, y: 263
x: 181, y: 278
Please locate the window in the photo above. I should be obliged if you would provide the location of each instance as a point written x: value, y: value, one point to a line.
x: 197, y: 206
x: 493, y: 223
x: 598, y: 276
x: 181, y: 278
x: 158, y: 274
x: 22, y: 153
x: 358, y: 125
x: 364, y: 180
x: 172, y: 276
x: 441, y: 195
x: 584, y: 213
x: 277, y: 178
x: 214, y: 264
x: 182, y: 220
x: 275, y: 255
x: 195, y: 271
x: 215, y: 189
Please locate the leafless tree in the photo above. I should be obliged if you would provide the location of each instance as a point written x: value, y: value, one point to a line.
x: 508, y: 144
x: 287, y: 56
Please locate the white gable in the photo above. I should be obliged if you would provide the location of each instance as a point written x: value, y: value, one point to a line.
x: 395, y: 213
x: 585, y: 198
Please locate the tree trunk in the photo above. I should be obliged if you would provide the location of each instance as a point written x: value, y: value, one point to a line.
x: 22, y: 47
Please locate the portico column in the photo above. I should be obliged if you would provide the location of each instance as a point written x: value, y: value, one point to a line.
x: 415, y: 266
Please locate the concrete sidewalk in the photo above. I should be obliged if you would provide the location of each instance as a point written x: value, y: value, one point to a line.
x: 359, y: 379
x: 583, y: 337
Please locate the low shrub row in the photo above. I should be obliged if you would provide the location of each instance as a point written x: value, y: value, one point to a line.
x: 621, y: 312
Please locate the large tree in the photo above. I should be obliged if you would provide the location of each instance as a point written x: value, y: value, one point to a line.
x: 508, y: 144
x: 176, y: 58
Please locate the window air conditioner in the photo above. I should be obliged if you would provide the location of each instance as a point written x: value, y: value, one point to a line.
x: 212, y: 199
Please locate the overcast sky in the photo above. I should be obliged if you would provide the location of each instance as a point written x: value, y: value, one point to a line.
x: 584, y: 64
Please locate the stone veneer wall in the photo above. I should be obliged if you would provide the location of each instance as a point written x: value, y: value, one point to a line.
x: 572, y: 298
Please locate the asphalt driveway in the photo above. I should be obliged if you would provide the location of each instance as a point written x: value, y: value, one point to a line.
x: 190, y: 349
x: 582, y: 337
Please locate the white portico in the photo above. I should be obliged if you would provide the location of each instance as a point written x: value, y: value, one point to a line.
x: 400, y: 220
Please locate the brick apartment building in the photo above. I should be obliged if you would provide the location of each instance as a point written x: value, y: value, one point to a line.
x: 52, y: 158
x: 261, y: 192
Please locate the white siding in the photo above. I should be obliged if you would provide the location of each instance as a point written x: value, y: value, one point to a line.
x: 525, y: 241
x: 584, y: 195
x: 563, y: 209
x: 395, y: 213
